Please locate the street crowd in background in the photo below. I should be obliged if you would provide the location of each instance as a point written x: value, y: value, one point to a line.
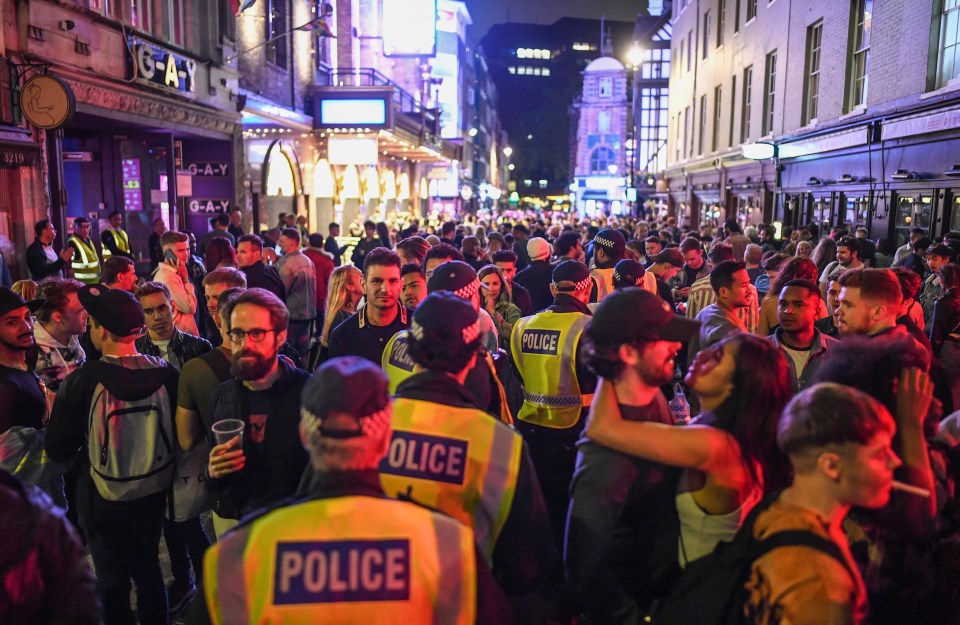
x: 516, y: 417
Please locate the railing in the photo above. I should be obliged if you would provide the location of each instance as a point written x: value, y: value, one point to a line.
x: 406, y: 103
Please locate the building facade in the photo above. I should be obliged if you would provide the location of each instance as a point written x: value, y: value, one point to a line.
x: 850, y: 112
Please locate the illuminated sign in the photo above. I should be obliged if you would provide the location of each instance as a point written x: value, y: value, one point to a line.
x: 204, y: 206
x: 130, y: 175
x: 447, y: 67
x: 209, y: 170
x: 353, y: 112
x: 351, y: 151
x: 153, y: 65
x: 409, y: 27
x: 758, y: 151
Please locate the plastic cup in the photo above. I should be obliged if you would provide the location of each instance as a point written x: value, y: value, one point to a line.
x: 227, y: 429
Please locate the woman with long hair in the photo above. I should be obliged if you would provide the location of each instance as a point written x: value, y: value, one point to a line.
x: 824, y: 254
x: 496, y: 300
x: 796, y: 268
x: 729, y: 453
x: 220, y: 254
x: 343, y: 294
x: 383, y: 233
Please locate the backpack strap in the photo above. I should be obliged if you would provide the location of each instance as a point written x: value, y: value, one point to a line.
x: 799, y: 538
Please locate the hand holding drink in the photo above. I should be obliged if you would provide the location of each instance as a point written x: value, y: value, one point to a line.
x: 227, y: 455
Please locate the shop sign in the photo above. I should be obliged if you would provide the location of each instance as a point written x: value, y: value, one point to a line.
x: 157, y: 66
x: 130, y: 175
x: 47, y: 102
x: 17, y: 156
x: 210, y: 170
x: 934, y: 122
x: 206, y: 206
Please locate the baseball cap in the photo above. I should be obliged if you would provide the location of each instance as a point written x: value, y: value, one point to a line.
x: 572, y: 271
x: 116, y: 310
x: 628, y: 272
x: 634, y: 314
x: 538, y: 249
x: 941, y: 249
x: 446, y: 311
x: 612, y: 241
x: 455, y: 276
x: 11, y: 300
x: 669, y: 255
x: 352, y: 386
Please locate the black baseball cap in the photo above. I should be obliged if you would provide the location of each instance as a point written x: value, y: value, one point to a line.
x: 349, y: 385
x: 632, y: 314
x: 941, y: 249
x: 628, y: 272
x: 11, y: 300
x: 116, y: 310
x: 670, y: 255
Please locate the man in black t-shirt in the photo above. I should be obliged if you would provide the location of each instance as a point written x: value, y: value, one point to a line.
x: 22, y: 394
x: 366, y: 332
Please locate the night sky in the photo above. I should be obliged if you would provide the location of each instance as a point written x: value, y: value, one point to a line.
x: 486, y: 13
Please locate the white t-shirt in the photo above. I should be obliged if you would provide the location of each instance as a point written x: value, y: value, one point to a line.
x: 164, y: 347
x: 800, y: 357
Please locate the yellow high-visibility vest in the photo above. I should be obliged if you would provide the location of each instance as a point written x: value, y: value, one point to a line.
x: 86, y: 262
x: 120, y: 238
x: 350, y: 559
x: 604, y: 280
x: 396, y: 361
x: 460, y: 461
x: 544, y: 349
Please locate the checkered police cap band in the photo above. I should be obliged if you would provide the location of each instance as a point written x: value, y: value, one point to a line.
x: 602, y: 242
x: 468, y: 291
x: 579, y: 286
x: 371, y: 425
x: 617, y: 277
x: 469, y: 333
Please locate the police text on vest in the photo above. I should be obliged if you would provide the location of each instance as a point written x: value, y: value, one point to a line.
x: 540, y: 342
x: 434, y: 458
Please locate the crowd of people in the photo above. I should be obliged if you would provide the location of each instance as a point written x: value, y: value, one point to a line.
x: 520, y: 419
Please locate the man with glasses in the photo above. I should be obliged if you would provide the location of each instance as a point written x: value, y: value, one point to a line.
x: 263, y: 465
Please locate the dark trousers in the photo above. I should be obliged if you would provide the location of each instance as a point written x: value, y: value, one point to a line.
x: 124, y: 542
x: 300, y: 335
x: 554, y: 456
x: 186, y: 543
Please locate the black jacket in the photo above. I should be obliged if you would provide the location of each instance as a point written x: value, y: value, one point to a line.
x: 182, y: 347
x: 524, y: 557
x: 521, y: 297
x: 259, y: 276
x: 536, y: 278
x: 39, y: 265
x: 276, y: 472
x: 946, y: 319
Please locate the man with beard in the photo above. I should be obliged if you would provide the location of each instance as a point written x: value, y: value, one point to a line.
x: 60, y: 323
x: 266, y: 463
x: 848, y: 257
x: 23, y: 399
x: 616, y: 546
x: 366, y: 332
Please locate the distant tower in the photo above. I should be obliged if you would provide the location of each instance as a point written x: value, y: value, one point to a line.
x: 603, y: 110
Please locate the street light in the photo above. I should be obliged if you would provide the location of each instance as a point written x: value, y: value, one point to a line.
x: 635, y: 56
x: 508, y: 151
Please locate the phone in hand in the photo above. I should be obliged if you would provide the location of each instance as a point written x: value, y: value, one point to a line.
x: 170, y: 257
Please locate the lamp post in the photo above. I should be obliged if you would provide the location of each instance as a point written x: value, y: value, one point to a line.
x: 635, y: 59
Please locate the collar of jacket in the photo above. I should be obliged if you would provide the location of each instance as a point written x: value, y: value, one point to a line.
x: 175, y: 346
x: 43, y: 338
x: 362, y: 314
x: 436, y: 387
x: 565, y: 303
x: 364, y: 482
x: 819, y: 340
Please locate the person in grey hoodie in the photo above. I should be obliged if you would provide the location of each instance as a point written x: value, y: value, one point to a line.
x: 299, y: 277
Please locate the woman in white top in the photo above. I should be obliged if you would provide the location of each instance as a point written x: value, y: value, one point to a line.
x: 729, y: 452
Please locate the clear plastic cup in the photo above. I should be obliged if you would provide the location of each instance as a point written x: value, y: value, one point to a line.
x: 225, y: 430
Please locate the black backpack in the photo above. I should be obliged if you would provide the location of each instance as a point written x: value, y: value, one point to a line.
x: 710, y: 591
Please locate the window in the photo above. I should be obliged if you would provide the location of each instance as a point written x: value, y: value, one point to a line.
x: 693, y: 115
x: 651, y: 152
x: 751, y: 9
x: 603, y: 121
x: 276, y: 29
x: 859, y: 55
x: 683, y: 52
x: 689, y: 50
x: 811, y: 86
x: 545, y: 72
x: 705, y: 45
x: 686, y: 129
x: 721, y: 20
x: 733, y: 107
x: 676, y: 143
x: 717, y: 112
x: 769, y: 92
x: 601, y: 159
x: 703, y: 124
x: 606, y: 86
x: 164, y: 19
x: 747, y: 108
x: 512, y: 70
x: 736, y: 16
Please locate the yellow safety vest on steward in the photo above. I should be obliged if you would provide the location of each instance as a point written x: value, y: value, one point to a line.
x: 85, y: 263
x: 120, y: 238
x: 460, y: 461
x: 351, y: 559
x: 396, y: 361
x: 544, y: 348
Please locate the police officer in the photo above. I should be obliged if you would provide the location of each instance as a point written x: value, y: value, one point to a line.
x: 608, y: 249
x: 557, y: 390
x: 346, y: 553
x: 86, y: 261
x: 447, y: 453
x: 114, y: 239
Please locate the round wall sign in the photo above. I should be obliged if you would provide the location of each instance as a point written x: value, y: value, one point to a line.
x: 46, y: 101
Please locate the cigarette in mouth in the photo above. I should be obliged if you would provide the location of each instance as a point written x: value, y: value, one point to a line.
x: 907, y: 488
